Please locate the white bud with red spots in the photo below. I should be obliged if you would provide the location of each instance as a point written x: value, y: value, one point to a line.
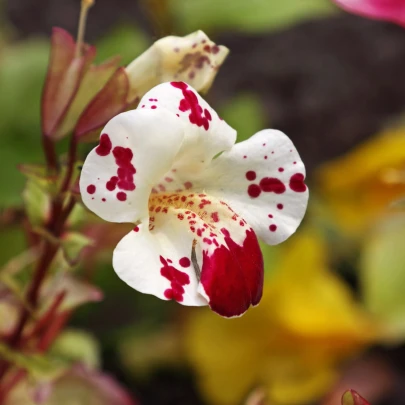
x: 194, y: 59
x: 197, y: 217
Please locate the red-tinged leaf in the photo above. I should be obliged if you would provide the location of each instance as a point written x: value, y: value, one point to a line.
x: 93, y: 81
x: 110, y: 101
x: 78, y: 385
x: 63, y: 78
x: 351, y: 397
x: 77, y: 293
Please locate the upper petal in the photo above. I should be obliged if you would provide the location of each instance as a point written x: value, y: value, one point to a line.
x: 136, y: 148
x: 206, y: 134
x: 262, y: 179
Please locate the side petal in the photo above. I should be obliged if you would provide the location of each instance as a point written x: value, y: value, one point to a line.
x: 158, y: 261
x: 262, y: 179
x: 206, y: 134
x: 136, y: 148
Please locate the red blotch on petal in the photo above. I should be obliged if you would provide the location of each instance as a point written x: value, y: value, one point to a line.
x: 251, y: 175
x: 254, y: 191
x: 190, y: 103
x: 105, y: 145
x: 232, y: 276
x: 178, y: 280
x: 126, y: 170
x: 91, y: 189
x: 297, y: 183
x: 184, y: 262
x: 121, y: 196
x: 215, y: 216
x: 270, y: 184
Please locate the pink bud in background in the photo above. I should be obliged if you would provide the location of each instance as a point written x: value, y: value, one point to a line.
x: 388, y: 10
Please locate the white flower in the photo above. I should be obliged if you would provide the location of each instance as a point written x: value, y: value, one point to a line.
x: 196, y: 215
x: 194, y: 59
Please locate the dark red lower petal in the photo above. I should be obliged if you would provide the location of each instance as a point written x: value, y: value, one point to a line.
x: 232, y: 276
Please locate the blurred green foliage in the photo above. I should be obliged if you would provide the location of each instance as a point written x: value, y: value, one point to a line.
x: 383, y: 275
x: 22, y: 72
x: 244, y: 113
x: 126, y: 41
x: 242, y: 15
x: 77, y: 346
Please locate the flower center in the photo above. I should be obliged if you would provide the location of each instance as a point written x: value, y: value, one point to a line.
x: 198, y: 204
x: 195, y: 208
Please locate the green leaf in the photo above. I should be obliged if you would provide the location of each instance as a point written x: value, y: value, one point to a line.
x: 77, y: 386
x: 127, y: 41
x: 244, y: 113
x: 12, y: 242
x: 72, y: 245
x: 242, y: 15
x: 15, y: 287
x: 383, y: 276
x: 37, y: 203
x: 38, y: 366
x: 77, y: 346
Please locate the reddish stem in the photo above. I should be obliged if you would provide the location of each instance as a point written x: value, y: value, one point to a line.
x: 50, y: 154
x: 70, y: 164
x: 59, y: 215
x: 53, y: 331
x: 48, y: 316
x: 13, y: 380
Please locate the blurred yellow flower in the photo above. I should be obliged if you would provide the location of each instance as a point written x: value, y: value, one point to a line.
x: 292, y: 344
x: 360, y: 186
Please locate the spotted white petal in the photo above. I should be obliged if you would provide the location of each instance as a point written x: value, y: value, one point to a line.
x: 227, y: 271
x: 263, y: 179
x: 206, y: 134
x: 159, y: 262
x: 136, y: 148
